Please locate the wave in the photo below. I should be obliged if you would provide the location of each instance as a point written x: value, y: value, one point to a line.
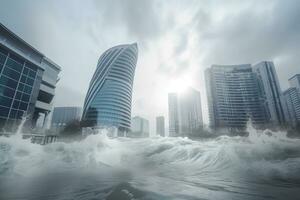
x: 236, y: 165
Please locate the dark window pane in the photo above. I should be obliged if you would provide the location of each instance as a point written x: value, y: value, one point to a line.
x: 16, y: 104
x: 2, y: 58
x: 23, y: 79
x: 14, y: 65
x: 32, y: 74
x: 11, y: 73
x: 25, y: 97
x: 1, y: 66
x: 13, y: 113
x: 8, y: 82
x: 27, y: 89
x: 5, y: 101
x: 3, y: 111
x: 19, y: 114
x: 25, y: 71
x: 3, y: 51
x: 21, y: 87
x: 18, y: 95
x: 5, y: 91
x: 29, y: 81
x: 31, y: 66
x: 23, y: 106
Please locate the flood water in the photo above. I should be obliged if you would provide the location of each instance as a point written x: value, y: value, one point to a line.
x: 260, y: 166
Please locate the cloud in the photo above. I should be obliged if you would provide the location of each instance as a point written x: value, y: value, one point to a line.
x: 175, y: 39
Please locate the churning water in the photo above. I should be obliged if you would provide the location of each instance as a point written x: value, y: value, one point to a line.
x: 261, y: 166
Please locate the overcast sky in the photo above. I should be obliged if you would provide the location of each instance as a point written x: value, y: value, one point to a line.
x: 177, y: 41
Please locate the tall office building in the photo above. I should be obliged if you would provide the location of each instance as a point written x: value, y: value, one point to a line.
x: 173, y: 115
x: 190, y: 112
x: 270, y: 92
x: 139, y: 127
x: 185, y: 114
x: 233, y: 97
x: 292, y: 101
x: 108, y: 99
x: 27, y: 81
x: 62, y: 116
x: 160, y: 126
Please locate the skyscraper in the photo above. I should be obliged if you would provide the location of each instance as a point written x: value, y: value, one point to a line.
x: 185, y: 114
x: 62, y: 116
x: 108, y: 99
x: 190, y: 112
x: 233, y: 97
x: 139, y: 127
x: 270, y: 92
x: 160, y: 126
x: 27, y: 81
x: 292, y: 101
x: 173, y: 115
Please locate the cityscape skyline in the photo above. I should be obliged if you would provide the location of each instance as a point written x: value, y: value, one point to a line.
x: 63, y: 41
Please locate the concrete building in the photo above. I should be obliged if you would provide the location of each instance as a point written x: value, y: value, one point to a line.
x: 27, y: 82
x: 108, y: 100
x: 270, y: 92
x: 160, y: 126
x: 139, y: 127
x: 233, y: 98
x: 185, y: 113
x: 62, y: 116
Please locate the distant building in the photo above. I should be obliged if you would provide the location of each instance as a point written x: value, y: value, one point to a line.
x: 270, y: 92
x: 292, y: 101
x: 108, y: 99
x: 27, y: 82
x: 62, y: 116
x: 173, y: 115
x: 294, y: 81
x: 139, y: 127
x: 185, y: 113
x: 160, y: 126
x: 233, y: 97
x: 190, y: 112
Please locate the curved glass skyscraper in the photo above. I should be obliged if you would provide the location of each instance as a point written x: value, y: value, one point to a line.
x: 108, y: 100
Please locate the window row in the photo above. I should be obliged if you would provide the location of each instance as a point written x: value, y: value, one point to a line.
x: 17, y: 104
x: 10, y: 83
x: 14, y: 114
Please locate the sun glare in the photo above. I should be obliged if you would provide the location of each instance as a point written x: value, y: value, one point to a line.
x: 178, y: 85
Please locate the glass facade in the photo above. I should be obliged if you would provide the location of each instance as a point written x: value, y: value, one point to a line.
x: 234, y: 97
x: 108, y: 100
x: 17, y: 78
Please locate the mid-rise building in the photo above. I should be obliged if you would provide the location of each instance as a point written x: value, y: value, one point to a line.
x: 270, y: 92
x: 27, y: 82
x: 62, y: 116
x: 160, y: 126
x: 108, y: 100
x: 185, y: 113
x: 233, y: 97
x: 139, y: 127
